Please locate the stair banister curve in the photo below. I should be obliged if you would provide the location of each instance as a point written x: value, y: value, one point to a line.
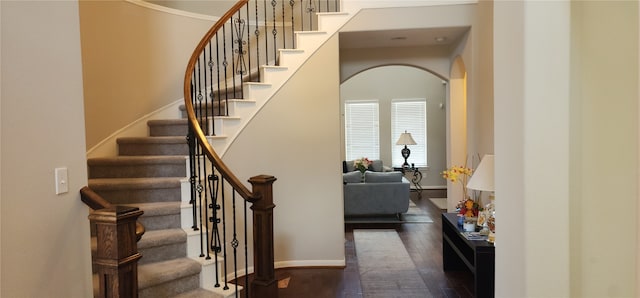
x: 223, y: 81
x: 193, y: 121
x: 264, y: 283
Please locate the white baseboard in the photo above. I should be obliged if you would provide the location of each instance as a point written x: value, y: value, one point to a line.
x: 310, y: 263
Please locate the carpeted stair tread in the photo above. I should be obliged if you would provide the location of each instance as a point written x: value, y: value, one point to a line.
x: 157, y: 208
x: 159, y: 215
x: 137, y: 160
x: 153, y: 140
x: 168, y: 127
x: 160, y: 272
x: 134, y: 183
x: 138, y: 190
x: 161, y: 145
x: 138, y: 166
x: 167, y: 121
x: 161, y: 237
x: 198, y: 293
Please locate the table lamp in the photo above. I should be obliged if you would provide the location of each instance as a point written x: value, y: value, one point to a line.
x: 405, y: 139
x: 483, y: 180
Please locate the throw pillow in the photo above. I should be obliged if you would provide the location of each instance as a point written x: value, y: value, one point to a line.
x: 352, y: 177
x: 376, y: 165
x: 377, y: 177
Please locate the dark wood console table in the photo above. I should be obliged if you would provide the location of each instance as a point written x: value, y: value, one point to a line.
x: 477, y: 255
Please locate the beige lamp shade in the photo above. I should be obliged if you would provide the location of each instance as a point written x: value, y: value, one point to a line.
x: 482, y: 178
x: 406, y: 139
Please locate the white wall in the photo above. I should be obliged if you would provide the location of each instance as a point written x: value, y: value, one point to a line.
x: 296, y: 138
x: 397, y: 82
x: 434, y: 58
x: 561, y: 85
x: 45, y: 237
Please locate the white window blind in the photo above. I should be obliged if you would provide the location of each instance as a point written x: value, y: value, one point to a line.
x: 362, y: 137
x: 409, y: 115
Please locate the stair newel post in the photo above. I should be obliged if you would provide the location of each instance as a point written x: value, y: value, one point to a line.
x: 264, y: 283
x: 117, y: 253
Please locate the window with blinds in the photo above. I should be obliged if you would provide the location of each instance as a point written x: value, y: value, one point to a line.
x: 362, y: 137
x: 409, y: 115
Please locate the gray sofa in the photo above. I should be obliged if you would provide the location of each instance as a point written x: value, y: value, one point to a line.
x: 381, y: 193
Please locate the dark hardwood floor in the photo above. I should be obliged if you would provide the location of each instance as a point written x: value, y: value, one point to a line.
x: 423, y: 242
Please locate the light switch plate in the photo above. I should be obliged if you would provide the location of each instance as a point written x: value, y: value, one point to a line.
x: 62, y: 181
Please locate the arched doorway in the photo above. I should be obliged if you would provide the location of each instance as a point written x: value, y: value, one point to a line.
x: 388, y: 83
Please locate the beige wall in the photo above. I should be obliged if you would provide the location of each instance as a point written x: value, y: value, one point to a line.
x: 604, y: 138
x: 562, y: 150
x: 45, y: 237
x: 212, y: 8
x: 296, y: 138
x: 134, y: 60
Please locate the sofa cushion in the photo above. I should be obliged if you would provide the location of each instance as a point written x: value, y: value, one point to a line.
x: 377, y: 177
x: 352, y: 177
x: 376, y: 165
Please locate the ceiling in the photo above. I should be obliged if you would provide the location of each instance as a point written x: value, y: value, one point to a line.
x: 401, y: 37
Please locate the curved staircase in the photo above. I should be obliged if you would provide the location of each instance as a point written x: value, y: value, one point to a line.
x: 151, y: 172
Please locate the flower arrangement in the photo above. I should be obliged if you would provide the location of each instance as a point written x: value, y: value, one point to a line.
x: 362, y: 164
x: 468, y: 208
x: 458, y: 173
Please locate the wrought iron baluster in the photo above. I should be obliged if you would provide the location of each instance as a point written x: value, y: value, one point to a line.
x: 311, y: 9
x: 191, y: 140
x: 284, y: 34
x: 224, y: 237
x: 240, y: 65
x: 257, y: 34
x: 274, y: 30
x: 214, y: 241
x: 246, y: 251
x: 248, y: 46
x: 218, y: 77
x: 234, y: 241
x: 204, y: 108
x: 301, y: 15
x: 266, y: 40
x: 233, y: 51
x: 293, y: 32
x: 210, y: 63
x: 225, y: 63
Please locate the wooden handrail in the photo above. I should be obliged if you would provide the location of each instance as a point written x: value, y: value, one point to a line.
x: 96, y: 202
x: 242, y: 190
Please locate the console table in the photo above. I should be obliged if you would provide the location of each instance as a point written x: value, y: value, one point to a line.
x: 477, y: 255
x: 415, y: 180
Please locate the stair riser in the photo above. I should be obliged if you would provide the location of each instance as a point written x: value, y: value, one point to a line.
x: 160, y: 222
x: 209, y: 111
x: 168, y: 130
x: 138, y: 171
x: 163, y: 253
x: 135, y: 196
x: 172, y: 288
x: 139, y: 149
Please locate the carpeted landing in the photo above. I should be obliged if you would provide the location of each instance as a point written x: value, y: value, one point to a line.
x: 386, y: 269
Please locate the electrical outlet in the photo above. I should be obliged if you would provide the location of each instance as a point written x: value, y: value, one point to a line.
x: 62, y: 181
